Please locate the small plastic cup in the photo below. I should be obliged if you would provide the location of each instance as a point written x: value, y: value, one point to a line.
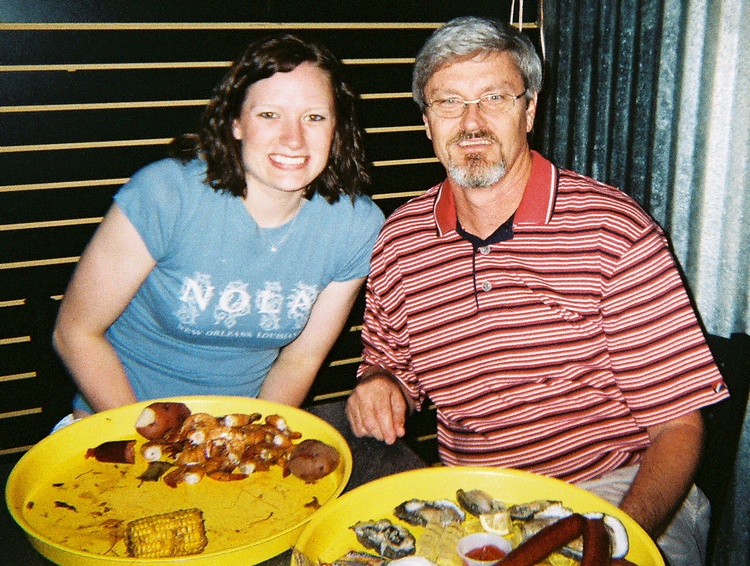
x: 482, y: 549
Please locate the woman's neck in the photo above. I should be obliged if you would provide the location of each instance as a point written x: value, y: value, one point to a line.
x: 270, y: 211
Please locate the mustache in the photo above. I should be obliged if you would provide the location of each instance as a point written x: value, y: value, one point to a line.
x: 465, y: 135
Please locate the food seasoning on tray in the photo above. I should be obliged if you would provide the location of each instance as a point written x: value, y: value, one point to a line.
x: 127, y: 497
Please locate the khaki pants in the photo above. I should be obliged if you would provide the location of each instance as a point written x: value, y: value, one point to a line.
x: 684, y: 541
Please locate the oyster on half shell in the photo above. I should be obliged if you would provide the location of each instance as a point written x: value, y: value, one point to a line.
x: 420, y: 512
x: 387, y: 539
x: 478, y: 502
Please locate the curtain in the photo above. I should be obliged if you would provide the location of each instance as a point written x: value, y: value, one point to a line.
x: 653, y: 96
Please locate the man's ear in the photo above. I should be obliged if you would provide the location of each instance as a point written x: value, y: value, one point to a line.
x: 531, y: 112
x: 427, y: 127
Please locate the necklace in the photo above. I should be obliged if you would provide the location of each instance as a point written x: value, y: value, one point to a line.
x: 274, y: 247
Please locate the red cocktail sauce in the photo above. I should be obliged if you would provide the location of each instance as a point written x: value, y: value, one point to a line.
x: 486, y: 553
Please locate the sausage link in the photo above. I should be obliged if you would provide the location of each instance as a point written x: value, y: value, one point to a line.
x: 114, y: 451
x: 597, y: 548
x: 546, y: 541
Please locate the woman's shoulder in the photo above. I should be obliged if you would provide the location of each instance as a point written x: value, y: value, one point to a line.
x: 361, y: 209
x: 170, y: 168
x: 168, y: 186
x: 168, y: 178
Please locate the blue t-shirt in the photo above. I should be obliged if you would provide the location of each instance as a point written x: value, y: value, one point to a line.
x: 213, y: 314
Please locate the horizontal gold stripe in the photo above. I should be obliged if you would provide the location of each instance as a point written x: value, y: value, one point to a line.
x: 384, y: 95
x: 416, y: 161
x: 50, y: 224
x: 117, y: 26
x: 109, y: 182
x: 39, y: 262
x: 22, y: 413
x: 22, y: 302
x: 17, y: 376
x: 152, y: 104
x: 395, y: 129
x: 158, y: 141
x: 15, y: 340
x: 406, y: 194
x: 102, y: 106
x: 154, y: 65
x: 380, y: 61
x: 426, y: 437
x: 84, y: 145
x: 62, y: 185
x: 336, y: 395
x: 345, y: 362
x: 17, y: 450
x: 73, y: 67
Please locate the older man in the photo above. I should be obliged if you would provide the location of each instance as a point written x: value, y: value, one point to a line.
x: 540, y: 311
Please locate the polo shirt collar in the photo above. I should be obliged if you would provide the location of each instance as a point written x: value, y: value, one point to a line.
x: 536, y: 205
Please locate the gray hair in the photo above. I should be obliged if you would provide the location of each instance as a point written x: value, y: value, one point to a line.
x: 468, y: 36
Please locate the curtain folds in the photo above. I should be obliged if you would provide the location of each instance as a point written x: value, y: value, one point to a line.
x: 653, y: 96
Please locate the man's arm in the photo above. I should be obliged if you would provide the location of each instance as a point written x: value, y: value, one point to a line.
x: 666, y: 472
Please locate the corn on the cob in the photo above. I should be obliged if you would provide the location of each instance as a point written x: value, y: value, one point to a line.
x: 179, y: 533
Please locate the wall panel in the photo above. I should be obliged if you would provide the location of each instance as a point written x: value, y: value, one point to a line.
x: 92, y: 91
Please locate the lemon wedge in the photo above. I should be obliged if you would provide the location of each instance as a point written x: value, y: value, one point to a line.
x: 498, y: 523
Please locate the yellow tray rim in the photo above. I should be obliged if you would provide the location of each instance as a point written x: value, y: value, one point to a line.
x: 376, y: 499
x: 118, y: 423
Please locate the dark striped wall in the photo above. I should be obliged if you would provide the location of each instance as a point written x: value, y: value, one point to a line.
x: 90, y: 91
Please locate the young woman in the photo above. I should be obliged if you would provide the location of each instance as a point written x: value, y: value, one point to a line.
x: 231, y: 268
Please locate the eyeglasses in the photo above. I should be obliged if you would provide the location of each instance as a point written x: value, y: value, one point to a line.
x: 455, y: 106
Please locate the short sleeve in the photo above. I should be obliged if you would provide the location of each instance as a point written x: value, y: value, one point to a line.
x: 152, y: 200
x: 363, y: 229
x: 658, y: 353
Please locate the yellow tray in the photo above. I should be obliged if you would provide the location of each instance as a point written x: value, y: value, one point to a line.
x: 247, y: 521
x: 328, y: 536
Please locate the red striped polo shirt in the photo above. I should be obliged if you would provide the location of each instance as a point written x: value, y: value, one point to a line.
x: 551, y: 351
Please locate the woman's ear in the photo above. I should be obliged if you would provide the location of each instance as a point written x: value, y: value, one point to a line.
x: 236, y: 130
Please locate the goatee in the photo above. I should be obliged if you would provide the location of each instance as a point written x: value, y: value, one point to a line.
x: 476, y: 171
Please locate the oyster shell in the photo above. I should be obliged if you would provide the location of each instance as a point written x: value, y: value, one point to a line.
x: 526, y: 511
x: 530, y: 527
x: 618, y: 534
x: 354, y: 558
x: 618, y: 537
x: 389, y: 540
x: 478, y: 502
x: 554, y: 511
x: 420, y: 512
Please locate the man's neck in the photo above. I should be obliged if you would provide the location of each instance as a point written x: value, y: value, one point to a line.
x: 481, y: 210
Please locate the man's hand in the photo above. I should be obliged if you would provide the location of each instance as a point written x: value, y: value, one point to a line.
x: 377, y: 408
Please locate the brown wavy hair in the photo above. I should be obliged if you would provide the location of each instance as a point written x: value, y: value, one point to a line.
x: 347, y: 168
